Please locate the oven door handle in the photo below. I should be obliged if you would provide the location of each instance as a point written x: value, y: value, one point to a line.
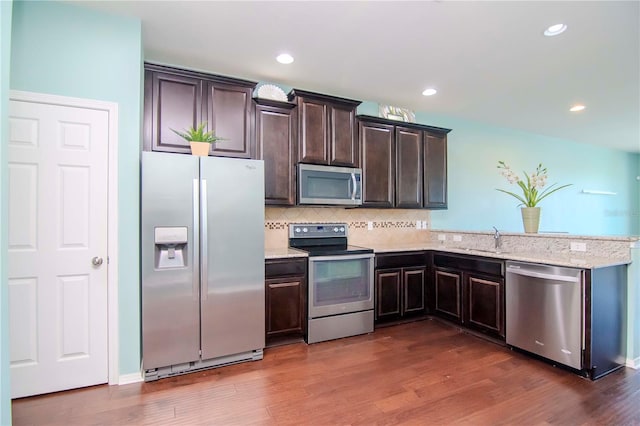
x: 341, y: 257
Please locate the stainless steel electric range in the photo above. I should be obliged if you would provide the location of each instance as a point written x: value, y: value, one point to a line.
x: 341, y: 295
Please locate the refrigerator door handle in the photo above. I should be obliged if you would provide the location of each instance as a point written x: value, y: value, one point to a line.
x: 204, y: 255
x: 195, y: 255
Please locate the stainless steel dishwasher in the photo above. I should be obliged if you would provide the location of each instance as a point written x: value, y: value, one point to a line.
x: 545, y: 311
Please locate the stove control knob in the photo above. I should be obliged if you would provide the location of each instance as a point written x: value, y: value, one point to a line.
x: 305, y: 230
x: 342, y: 229
x: 335, y: 229
x: 297, y: 229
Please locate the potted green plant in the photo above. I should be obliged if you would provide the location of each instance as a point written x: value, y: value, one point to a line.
x: 198, y: 139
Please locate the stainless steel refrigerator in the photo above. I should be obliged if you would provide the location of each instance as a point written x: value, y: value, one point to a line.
x: 202, y: 247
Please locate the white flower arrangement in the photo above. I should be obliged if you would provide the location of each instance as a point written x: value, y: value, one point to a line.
x: 534, y: 182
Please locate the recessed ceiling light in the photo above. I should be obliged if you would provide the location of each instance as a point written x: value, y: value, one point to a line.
x: 577, y: 108
x: 284, y: 58
x: 554, y: 30
x: 429, y: 92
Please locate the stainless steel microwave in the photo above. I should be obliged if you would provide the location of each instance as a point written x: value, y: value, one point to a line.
x: 329, y: 185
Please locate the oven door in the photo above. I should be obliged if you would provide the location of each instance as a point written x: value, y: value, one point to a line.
x: 340, y: 284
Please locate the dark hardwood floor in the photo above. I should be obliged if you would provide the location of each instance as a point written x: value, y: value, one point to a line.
x: 422, y: 373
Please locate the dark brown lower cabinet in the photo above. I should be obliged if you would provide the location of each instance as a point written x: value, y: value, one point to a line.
x: 285, y: 300
x: 388, y: 288
x: 448, y: 294
x: 400, y: 286
x: 485, y: 306
x: 469, y: 291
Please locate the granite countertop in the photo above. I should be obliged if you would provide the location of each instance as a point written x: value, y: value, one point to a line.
x: 283, y: 252
x: 580, y: 260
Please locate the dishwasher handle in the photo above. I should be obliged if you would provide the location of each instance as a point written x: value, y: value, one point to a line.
x: 536, y: 274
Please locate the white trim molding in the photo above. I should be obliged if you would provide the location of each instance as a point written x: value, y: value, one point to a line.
x: 112, y: 211
x: 633, y: 363
x: 127, y: 379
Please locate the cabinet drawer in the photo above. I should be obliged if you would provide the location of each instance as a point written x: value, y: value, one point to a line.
x: 469, y: 263
x: 285, y: 267
x: 400, y: 260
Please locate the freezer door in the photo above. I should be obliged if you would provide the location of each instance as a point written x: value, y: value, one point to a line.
x: 170, y: 290
x: 232, y: 302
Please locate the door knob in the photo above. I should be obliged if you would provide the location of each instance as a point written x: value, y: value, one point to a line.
x: 97, y: 261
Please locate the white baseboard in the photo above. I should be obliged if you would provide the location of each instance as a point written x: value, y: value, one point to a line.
x: 126, y: 379
x: 633, y: 363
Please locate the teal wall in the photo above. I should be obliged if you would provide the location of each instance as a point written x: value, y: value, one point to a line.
x: 5, y: 54
x: 67, y: 50
x: 474, y: 204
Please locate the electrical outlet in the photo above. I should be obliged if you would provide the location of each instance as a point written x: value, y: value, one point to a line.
x: 578, y: 247
x: 370, y: 226
x: 418, y: 224
x: 442, y: 237
x: 424, y: 224
x: 457, y: 238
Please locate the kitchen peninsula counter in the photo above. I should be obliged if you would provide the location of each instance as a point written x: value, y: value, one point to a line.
x: 576, y: 260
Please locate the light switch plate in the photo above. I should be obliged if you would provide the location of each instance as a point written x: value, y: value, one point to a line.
x: 578, y: 247
x: 457, y: 238
x: 424, y: 224
x: 370, y: 226
x: 442, y: 237
x: 418, y: 224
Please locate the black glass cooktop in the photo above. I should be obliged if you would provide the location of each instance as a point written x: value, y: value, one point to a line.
x: 335, y: 250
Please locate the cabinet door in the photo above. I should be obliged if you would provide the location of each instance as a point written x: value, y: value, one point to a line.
x: 435, y: 171
x: 388, y: 293
x: 484, y: 304
x: 229, y: 111
x: 275, y: 139
x: 344, y: 143
x: 284, y: 298
x: 409, y: 159
x: 172, y: 102
x: 448, y: 295
x: 413, y: 286
x: 313, y: 143
x: 377, y: 161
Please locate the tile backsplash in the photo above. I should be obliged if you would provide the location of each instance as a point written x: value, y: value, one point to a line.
x: 388, y: 225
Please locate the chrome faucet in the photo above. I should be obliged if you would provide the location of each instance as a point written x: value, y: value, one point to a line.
x: 497, y: 239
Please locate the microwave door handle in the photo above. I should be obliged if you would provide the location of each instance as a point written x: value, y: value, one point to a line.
x: 353, y: 183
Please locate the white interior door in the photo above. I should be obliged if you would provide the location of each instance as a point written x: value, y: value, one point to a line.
x: 57, y: 247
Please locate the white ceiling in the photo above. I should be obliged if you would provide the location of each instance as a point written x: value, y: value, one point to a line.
x: 488, y: 60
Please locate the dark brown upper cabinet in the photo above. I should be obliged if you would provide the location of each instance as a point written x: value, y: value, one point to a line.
x: 178, y: 99
x: 409, y: 167
x: 378, y: 164
x: 326, y: 129
x: 276, y: 140
x: 435, y: 170
x: 411, y: 172
x: 170, y: 102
